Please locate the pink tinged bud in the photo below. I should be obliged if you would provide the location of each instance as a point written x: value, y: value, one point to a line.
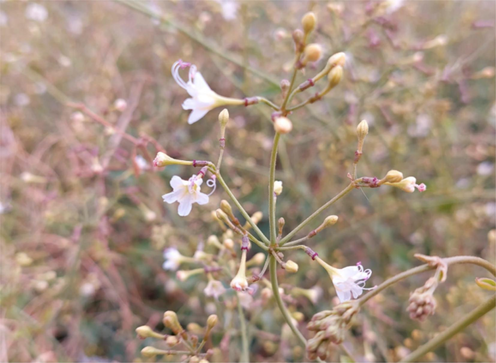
x: 120, y: 105
x: 422, y: 187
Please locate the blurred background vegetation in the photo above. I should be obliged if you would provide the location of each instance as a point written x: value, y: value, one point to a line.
x: 83, y: 225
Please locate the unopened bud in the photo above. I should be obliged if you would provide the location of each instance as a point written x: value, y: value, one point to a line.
x: 486, y: 283
x: 146, y: 332
x: 298, y: 316
x: 280, y: 224
x: 283, y: 125
x: 329, y: 221
x: 298, y: 39
x: 224, y: 117
x: 337, y: 59
x: 362, y: 129
x: 284, y: 87
x: 229, y: 243
x: 335, y: 76
x: 150, y: 352
x: 291, y: 266
x: 162, y: 159
x: 171, y: 341
x: 256, y: 260
x: 170, y: 321
x: 393, y: 176
x: 222, y: 216
x: 308, y: 22
x: 277, y: 187
x: 194, y: 359
x: 257, y: 217
x: 212, y: 321
x: 77, y: 117
x: 312, y: 53
x: 226, y: 208
x: 214, y: 241
x: 194, y: 328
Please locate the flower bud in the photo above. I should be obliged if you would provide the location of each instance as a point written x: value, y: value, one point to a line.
x: 486, y: 283
x: 393, y: 176
x: 224, y: 117
x: 362, y: 130
x: 171, y: 341
x: 335, y: 76
x: 256, y: 260
x: 229, y: 243
x: 291, y: 266
x: 280, y: 225
x: 214, y: 241
x: 283, y: 125
x: 170, y: 321
x: 162, y: 159
x: 277, y: 187
x: 298, y: 39
x: 285, y: 87
x: 77, y: 117
x: 257, y: 217
x: 226, y: 208
x: 329, y: 221
x: 337, y: 59
x: 194, y: 359
x: 150, y: 352
x: 312, y: 53
x: 183, y: 275
x: 146, y: 332
x: 308, y: 22
x: 212, y: 321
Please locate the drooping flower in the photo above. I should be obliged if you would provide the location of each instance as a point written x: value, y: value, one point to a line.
x: 203, y: 99
x: 186, y: 192
x: 214, y: 288
x: 239, y: 282
x: 349, y: 281
x: 408, y: 185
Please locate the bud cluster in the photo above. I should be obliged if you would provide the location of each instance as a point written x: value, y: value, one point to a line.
x: 330, y: 327
x: 422, y: 302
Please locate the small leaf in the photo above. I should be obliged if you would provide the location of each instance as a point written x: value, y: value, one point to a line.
x: 486, y: 283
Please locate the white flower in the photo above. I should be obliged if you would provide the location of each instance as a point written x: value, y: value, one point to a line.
x: 203, y: 99
x: 172, y: 259
x: 36, y: 12
x: 239, y: 282
x: 214, y: 289
x: 229, y: 9
x: 186, y: 192
x: 349, y: 281
x: 277, y: 187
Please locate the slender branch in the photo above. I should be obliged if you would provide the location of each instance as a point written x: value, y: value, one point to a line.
x: 297, y: 241
x: 277, y: 296
x: 272, y: 199
x: 454, y: 329
x: 270, y: 103
x: 245, y: 354
x: 291, y: 85
x: 290, y: 235
x: 450, y: 261
x: 241, y: 209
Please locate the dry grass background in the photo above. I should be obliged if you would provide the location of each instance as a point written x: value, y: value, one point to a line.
x: 82, y: 235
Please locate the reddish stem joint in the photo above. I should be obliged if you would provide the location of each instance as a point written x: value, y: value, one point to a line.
x: 251, y: 101
x: 307, y: 84
x: 311, y: 253
x: 245, y: 243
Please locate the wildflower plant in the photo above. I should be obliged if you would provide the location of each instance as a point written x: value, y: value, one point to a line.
x: 239, y: 236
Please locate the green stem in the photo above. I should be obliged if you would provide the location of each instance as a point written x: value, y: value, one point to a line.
x: 450, y: 261
x: 291, y: 85
x: 460, y: 325
x: 267, y: 102
x: 241, y: 209
x: 272, y: 199
x: 280, y: 303
x: 245, y: 355
x: 290, y: 235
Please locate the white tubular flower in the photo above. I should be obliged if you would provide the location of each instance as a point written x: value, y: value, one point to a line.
x: 349, y: 281
x: 408, y: 185
x: 186, y: 192
x: 214, y: 288
x: 203, y: 99
x: 277, y: 187
x: 239, y: 282
x: 172, y: 259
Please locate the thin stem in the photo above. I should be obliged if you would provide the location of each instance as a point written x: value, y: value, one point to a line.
x: 450, y: 261
x: 291, y: 85
x: 291, y: 248
x: 245, y: 354
x: 241, y: 209
x: 300, y: 105
x: 277, y: 296
x: 297, y: 241
x: 267, y: 102
x: 454, y: 329
x: 272, y: 199
x: 290, y: 235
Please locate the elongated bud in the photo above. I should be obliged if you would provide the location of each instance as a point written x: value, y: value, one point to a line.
x: 150, y: 352
x: 146, y: 332
x: 162, y: 159
x: 194, y: 328
x: 362, y: 130
x: 214, y: 241
x: 226, y: 208
x: 486, y: 283
x: 329, y: 221
x: 256, y: 260
x: 298, y: 39
x: 312, y: 53
x: 212, y: 321
x: 308, y: 22
x: 277, y: 187
x: 392, y: 176
x: 283, y: 125
x: 257, y: 217
x: 222, y: 216
x: 280, y: 224
x: 291, y: 266
x: 170, y: 321
x: 224, y: 117
x: 335, y: 76
x: 284, y: 87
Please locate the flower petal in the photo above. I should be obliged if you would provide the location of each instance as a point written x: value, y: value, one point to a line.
x: 172, y: 196
x: 176, y: 182
x: 201, y: 198
x: 200, y: 82
x: 185, y: 206
x: 196, y: 115
x: 343, y: 295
